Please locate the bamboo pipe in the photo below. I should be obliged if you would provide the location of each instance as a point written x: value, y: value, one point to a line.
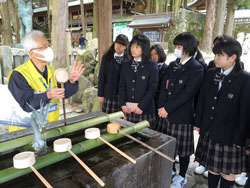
x: 41, y: 162
x: 114, y: 128
x: 15, y: 143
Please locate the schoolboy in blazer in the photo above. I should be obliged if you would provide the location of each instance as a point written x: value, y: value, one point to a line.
x: 109, y: 74
x: 222, y: 115
x: 176, y: 102
x: 138, y: 82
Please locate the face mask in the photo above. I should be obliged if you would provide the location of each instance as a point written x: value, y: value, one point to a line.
x: 178, y: 53
x: 48, y: 54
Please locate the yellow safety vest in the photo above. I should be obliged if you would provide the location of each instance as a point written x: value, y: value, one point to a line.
x: 39, y: 85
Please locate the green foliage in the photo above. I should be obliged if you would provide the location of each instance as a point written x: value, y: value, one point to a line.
x: 242, y: 4
x: 195, y: 27
x: 241, y: 28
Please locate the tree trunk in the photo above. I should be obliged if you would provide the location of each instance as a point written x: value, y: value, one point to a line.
x: 59, y: 35
x: 6, y: 28
x: 14, y: 19
x: 157, y: 6
x: 171, y: 8
x: 104, y: 27
x: 166, y: 6
x: 209, y: 26
x: 229, y: 26
x: 219, y: 19
x: 185, y: 3
x: 148, y: 11
x: 82, y: 18
x: 95, y: 19
x: 49, y: 16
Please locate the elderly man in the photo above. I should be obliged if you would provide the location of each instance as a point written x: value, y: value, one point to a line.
x: 34, y: 80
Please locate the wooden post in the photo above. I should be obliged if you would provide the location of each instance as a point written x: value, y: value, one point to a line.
x: 104, y: 27
x: 121, y: 7
x: 95, y: 20
x: 83, y: 18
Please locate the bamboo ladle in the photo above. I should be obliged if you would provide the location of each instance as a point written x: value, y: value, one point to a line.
x: 93, y: 133
x: 65, y: 145
x: 115, y: 128
x: 62, y: 76
x: 25, y: 160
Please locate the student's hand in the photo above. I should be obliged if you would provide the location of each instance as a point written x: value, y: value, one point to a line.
x: 126, y: 110
x: 55, y: 93
x: 138, y: 111
x: 101, y: 99
x: 197, y: 129
x: 76, y: 72
x: 162, y: 113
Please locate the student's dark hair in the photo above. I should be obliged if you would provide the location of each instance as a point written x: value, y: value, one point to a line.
x: 121, y: 39
x: 218, y: 39
x: 144, y: 43
x: 188, y: 41
x: 229, y: 46
x: 160, y: 52
x: 199, y: 56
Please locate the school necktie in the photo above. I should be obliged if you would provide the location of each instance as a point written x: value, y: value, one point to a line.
x: 134, y: 65
x: 118, y: 59
x: 219, y: 77
x: 177, y: 65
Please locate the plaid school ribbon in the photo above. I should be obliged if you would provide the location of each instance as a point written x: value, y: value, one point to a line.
x: 219, y: 77
x: 177, y: 65
x: 160, y: 65
x: 118, y: 59
x: 134, y: 65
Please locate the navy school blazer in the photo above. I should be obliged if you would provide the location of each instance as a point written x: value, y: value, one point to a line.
x: 162, y: 73
x: 108, y: 80
x: 225, y: 113
x: 139, y: 87
x: 178, y: 90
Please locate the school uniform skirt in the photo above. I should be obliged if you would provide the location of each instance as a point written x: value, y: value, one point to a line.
x: 135, y: 118
x: 110, y: 106
x: 220, y: 158
x: 183, y: 133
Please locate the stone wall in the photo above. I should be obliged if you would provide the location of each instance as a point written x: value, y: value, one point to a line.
x: 186, y: 20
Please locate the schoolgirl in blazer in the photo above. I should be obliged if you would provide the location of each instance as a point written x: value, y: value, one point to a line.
x: 222, y: 115
x: 109, y: 74
x: 176, y: 102
x: 158, y: 55
x: 138, y: 82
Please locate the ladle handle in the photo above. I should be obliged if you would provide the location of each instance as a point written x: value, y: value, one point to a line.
x: 117, y: 150
x: 147, y: 146
x: 87, y: 169
x: 63, y: 102
x: 41, y: 177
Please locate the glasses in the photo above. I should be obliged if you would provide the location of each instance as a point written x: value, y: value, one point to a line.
x: 42, y: 47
